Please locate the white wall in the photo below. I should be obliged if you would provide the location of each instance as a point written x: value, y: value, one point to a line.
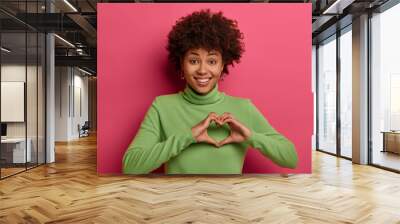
x: 71, y: 92
x: 79, y: 117
x: 17, y: 73
x: 61, y: 103
x: 33, y: 127
x: 12, y: 73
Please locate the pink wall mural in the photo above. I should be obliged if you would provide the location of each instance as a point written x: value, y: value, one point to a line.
x: 275, y: 73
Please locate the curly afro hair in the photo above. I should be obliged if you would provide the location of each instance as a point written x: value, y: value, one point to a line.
x: 211, y: 31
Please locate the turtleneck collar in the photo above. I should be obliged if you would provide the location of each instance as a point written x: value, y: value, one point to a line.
x: 193, y: 97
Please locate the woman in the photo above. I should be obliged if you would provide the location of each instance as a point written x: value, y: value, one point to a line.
x: 201, y: 130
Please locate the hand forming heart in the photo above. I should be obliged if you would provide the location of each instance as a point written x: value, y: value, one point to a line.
x: 238, y: 131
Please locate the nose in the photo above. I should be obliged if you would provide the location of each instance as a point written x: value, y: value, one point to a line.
x: 202, y: 70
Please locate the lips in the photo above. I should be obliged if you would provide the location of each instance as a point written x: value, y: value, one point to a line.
x: 202, y: 81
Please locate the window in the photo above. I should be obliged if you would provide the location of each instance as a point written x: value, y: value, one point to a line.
x: 346, y: 93
x: 327, y: 95
x: 385, y: 88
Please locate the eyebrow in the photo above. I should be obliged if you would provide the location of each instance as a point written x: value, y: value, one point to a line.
x: 209, y: 53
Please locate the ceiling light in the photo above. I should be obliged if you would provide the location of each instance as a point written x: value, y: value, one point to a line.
x: 84, y: 71
x: 5, y: 49
x: 64, y: 40
x: 338, y: 6
x: 70, y: 5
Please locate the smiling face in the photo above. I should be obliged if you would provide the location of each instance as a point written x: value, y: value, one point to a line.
x: 202, y: 69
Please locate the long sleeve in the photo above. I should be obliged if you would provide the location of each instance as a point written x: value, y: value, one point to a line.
x: 270, y: 142
x: 147, y: 150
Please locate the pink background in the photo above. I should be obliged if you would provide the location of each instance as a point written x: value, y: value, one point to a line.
x: 275, y: 72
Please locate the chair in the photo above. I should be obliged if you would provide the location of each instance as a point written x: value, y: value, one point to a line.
x: 84, y: 130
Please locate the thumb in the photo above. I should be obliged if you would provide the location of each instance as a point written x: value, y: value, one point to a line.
x: 211, y: 117
x: 227, y: 140
x: 211, y: 141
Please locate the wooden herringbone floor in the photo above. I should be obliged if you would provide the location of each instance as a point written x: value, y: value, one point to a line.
x: 70, y: 191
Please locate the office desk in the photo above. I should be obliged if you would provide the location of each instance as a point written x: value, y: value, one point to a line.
x: 391, y: 141
x: 15, y: 148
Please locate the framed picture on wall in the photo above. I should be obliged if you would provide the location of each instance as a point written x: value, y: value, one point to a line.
x: 12, y: 101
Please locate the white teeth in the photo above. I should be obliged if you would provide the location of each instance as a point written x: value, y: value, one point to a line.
x: 202, y: 81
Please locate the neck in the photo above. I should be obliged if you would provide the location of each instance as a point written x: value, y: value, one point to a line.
x: 190, y: 95
x: 202, y: 94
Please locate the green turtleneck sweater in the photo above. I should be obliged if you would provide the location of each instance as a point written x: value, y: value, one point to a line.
x: 165, y: 136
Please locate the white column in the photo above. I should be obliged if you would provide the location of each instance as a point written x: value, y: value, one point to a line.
x: 50, y: 91
x: 314, y: 92
x: 50, y: 110
x: 360, y: 89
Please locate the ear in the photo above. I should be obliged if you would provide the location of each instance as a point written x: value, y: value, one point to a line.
x: 222, y: 69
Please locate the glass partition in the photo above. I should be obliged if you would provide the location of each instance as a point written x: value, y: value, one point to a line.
x: 327, y: 95
x: 13, y: 110
x: 22, y: 78
x: 385, y: 89
x: 31, y: 100
x: 346, y: 92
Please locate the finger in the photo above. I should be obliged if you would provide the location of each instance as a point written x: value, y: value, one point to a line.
x: 212, y: 114
x: 211, y: 141
x: 235, y: 122
x: 211, y: 117
x: 236, y: 125
x: 230, y: 121
x: 227, y: 140
x: 218, y: 121
x: 215, y: 118
x: 227, y: 116
x: 221, y: 119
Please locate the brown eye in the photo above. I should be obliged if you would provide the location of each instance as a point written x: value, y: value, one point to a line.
x: 193, y: 61
x: 212, y: 62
